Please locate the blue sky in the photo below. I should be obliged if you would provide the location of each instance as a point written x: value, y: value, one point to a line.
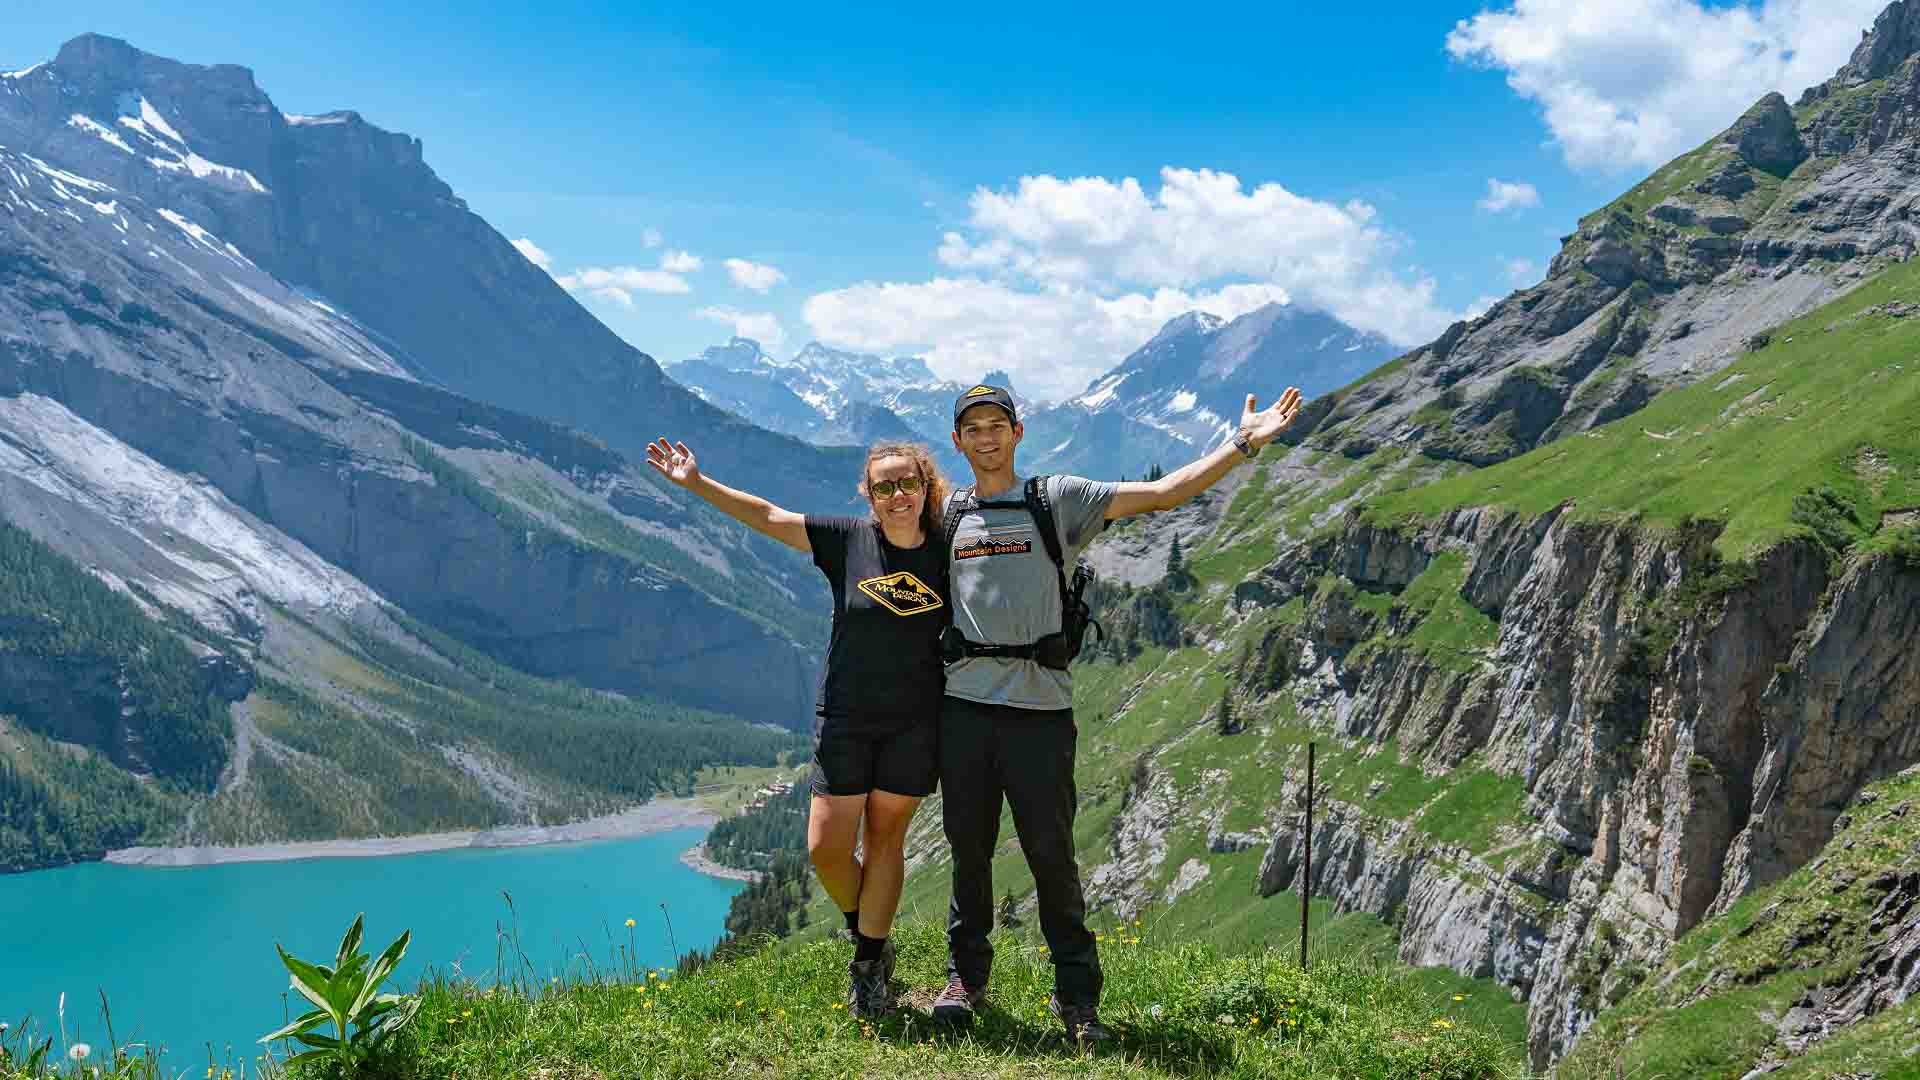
x: 991, y: 187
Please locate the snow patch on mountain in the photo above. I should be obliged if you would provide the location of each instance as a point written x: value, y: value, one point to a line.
x: 1183, y: 401
x: 94, y: 127
x: 224, y: 558
x: 138, y: 115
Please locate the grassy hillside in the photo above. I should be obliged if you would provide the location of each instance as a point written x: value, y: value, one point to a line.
x: 1179, y: 1009
x: 1827, y: 402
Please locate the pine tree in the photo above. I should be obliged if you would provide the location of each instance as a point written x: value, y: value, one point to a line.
x: 1227, y: 725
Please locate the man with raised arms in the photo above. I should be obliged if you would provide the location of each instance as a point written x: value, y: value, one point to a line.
x: 1006, y: 722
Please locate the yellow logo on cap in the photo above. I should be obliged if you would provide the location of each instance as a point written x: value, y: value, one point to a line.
x: 979, y: 391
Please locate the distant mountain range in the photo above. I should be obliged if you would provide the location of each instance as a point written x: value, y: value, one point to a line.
x: 1169, y: 401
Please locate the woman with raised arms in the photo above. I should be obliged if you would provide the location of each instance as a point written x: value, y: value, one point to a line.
x: 877, y: 716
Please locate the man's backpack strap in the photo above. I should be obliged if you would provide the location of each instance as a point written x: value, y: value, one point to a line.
x: 1041, y: 507
x: 957, y: 501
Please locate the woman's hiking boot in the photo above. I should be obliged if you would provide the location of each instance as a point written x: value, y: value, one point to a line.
x: 870, y: 985
x: 1082, y: 1021
x: 957, y: 1003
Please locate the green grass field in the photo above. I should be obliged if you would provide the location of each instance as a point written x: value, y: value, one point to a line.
x: 1828, y: 402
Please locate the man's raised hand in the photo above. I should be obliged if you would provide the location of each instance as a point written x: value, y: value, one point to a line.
x: 675, y: 461
x: 1263, y: 426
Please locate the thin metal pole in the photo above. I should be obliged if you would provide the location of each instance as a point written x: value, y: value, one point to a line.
x: 1306, y: 864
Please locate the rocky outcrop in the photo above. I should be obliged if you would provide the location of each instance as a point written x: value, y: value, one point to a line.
x: 1766, y: 138
x: 1687, y: 732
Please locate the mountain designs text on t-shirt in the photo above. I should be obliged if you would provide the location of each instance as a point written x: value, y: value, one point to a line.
x: 902, y: 593
x: 1003, y: 540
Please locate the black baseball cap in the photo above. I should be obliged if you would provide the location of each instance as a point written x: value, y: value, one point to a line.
x: 984, y: 395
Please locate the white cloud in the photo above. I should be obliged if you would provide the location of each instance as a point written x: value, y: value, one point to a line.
x: 679, y: 262
x: 618, y: 283
x: 1062, y: 278
x: 761, y: 326
x: 533, y: 253
x: 752, y: 275
x: 651, y: 238
x: 1508, y: 195
x: 1479, y: 307
x: 1634, y: 83
x: 1053, y: 340
x: 1520, y: 271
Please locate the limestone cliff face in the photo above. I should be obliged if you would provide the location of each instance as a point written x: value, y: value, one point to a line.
x: 1685, y: 735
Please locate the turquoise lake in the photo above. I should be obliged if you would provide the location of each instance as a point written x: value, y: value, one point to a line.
x: 185, y: 955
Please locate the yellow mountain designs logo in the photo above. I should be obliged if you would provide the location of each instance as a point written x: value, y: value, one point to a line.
x: 979, y: 391
x: 901, y: 593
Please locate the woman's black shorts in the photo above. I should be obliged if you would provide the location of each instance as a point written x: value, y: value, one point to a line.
x: 852, y: 758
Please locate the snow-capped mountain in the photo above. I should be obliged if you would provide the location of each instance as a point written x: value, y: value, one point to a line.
x: 827, y: 396
x: 1182, y: 392
x: 252, y: 361
x: 1168, y: 402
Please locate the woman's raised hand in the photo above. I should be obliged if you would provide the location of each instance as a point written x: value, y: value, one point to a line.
x: 674, y: 460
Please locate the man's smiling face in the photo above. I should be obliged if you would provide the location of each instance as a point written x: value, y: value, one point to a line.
x: 987, y: 437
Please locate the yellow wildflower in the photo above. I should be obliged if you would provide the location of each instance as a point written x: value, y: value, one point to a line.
x: 629, y: 924
x: 469, y: 1012
x: 648, y: 1005
x: 1459, y: 997
x: 1443, y: 1024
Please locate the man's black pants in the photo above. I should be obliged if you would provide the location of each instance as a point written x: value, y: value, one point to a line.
x: 1025, y: 755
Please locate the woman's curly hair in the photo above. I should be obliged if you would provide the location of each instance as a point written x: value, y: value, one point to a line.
x: 933, y: 484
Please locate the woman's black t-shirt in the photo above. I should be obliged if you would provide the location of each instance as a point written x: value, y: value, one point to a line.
x: 889, y: 605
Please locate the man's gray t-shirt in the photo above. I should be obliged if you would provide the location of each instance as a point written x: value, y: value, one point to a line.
x: 1005, y: 590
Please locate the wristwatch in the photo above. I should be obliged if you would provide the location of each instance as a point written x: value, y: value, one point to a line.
x: 1245, y: 444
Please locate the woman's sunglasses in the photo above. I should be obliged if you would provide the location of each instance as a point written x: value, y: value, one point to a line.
x: 884, y: 489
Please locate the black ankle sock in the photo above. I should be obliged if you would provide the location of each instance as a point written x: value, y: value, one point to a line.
x: 867, y: 948
x: 853, y: 921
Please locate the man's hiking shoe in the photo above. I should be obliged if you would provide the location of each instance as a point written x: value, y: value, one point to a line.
x: 956, y: 1004
x: 870, y: 989
x: 1082, y: 1021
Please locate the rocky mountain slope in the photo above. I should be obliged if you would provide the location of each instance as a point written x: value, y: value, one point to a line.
x: 1599, y: 610
x: 209, y: 400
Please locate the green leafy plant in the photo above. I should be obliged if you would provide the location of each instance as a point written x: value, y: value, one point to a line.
x: 347, y: 995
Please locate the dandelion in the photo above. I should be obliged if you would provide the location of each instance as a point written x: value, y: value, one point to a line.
x: 1443, y: 1024
x: 1459, y: 997
x: 79, y: 1051
x: 469, y: 1012
x: 653, y: 974
x: 739, y: 1003
x: 629, y: 924
x: 450, y: 1020
x: 837, y: 1006
x: 648, y: 1005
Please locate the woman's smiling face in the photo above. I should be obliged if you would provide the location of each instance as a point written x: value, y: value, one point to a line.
x: 900, y: 506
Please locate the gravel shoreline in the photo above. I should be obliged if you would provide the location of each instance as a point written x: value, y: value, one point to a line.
x: 696, y: 858
x: 657, y: 816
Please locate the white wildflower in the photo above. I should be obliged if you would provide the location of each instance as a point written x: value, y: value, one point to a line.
x: 79, y: 1052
